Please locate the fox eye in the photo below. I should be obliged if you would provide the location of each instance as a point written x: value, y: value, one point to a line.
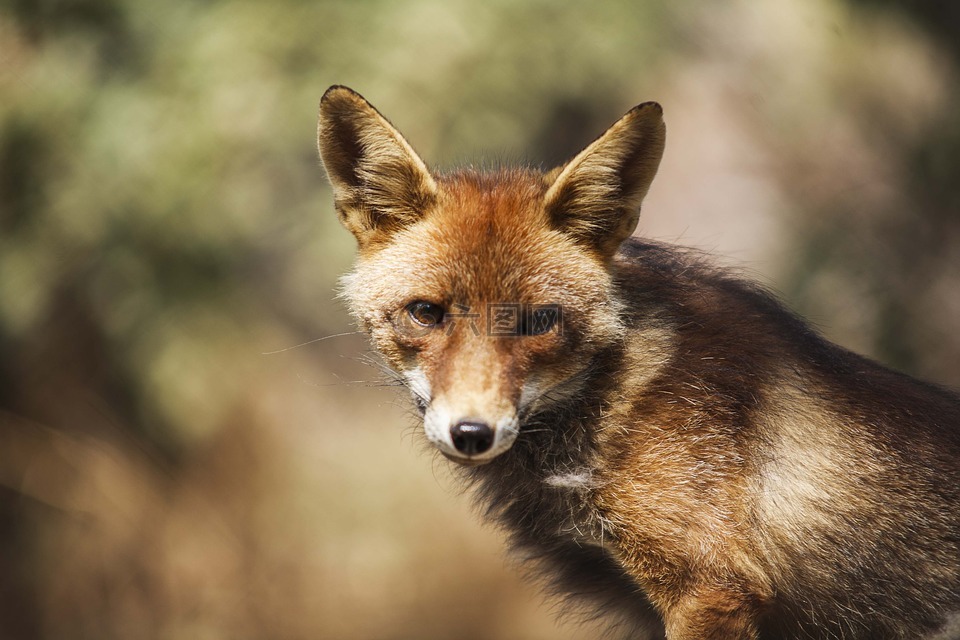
x: 425, y: 314
x: 539, y: 320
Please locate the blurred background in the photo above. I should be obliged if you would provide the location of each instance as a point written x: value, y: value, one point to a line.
x: 173, y: 466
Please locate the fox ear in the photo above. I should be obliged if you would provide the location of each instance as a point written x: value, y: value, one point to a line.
x: 379, y: 182
x: 596, y: 196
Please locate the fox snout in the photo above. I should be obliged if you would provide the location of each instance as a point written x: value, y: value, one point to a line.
x: 470, y: 436
x: 714, y: 466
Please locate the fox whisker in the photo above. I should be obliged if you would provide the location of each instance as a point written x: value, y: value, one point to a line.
x: 715, y: 469
x: 309, y: 342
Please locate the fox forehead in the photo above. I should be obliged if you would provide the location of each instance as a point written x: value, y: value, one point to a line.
x: 486, y: 240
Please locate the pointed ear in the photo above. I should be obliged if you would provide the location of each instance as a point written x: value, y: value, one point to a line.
x: 596, y: 196
x: 379, y: 182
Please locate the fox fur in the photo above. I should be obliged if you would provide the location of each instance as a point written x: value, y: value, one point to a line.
x: 679, y: 450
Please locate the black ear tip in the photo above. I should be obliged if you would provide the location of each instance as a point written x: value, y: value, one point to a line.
x: 648, y: 108
x: 340, y: 92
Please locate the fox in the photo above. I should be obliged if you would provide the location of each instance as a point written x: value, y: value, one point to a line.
x: 662, y: 439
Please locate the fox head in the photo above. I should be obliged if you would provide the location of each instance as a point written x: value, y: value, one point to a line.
x: 488, y: 293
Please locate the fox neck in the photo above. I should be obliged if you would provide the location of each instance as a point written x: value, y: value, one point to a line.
x: 544, y: 484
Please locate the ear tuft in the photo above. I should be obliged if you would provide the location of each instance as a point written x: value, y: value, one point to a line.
x: 379, y: 182
x: 596, y: 196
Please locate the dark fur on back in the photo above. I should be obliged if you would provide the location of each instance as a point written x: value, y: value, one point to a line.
x: 685, y: 454
x: 732, y: 334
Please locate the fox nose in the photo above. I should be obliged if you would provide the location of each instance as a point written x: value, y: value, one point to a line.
x: 471, y: 438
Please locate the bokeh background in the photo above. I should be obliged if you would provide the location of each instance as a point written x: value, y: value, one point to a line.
x: 173, y: 466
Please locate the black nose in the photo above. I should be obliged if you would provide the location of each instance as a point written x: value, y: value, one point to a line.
x: 472, y: 438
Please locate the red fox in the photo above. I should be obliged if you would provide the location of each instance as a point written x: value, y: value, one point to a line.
x: 664, y: 440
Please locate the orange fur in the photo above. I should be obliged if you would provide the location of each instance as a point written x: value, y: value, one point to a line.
x: 675, y: 446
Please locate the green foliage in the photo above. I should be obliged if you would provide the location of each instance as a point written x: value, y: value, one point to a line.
x: 158, y: 160
x: 164, y: 221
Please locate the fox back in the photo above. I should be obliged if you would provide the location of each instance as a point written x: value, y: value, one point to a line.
x: 662, y: 439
